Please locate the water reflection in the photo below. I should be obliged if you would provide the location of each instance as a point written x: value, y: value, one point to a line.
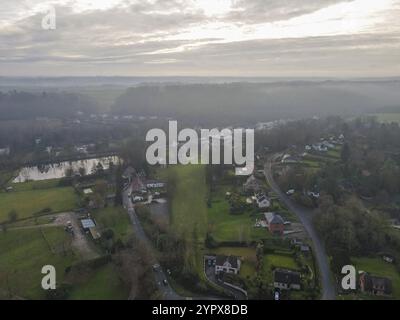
x: 59, y: 170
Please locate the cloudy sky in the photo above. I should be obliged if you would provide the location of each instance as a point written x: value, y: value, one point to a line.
x: 335, y: 38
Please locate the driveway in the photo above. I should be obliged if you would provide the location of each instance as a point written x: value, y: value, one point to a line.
x: 305, y: 216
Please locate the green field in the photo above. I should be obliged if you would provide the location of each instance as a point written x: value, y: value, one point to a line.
x: 116, y: 219
x: 189, y: 210
x: 378, y: 267
x: 23, y: 254
x: 103, y: 284
x: 35, y: 185
x: 27, y: 203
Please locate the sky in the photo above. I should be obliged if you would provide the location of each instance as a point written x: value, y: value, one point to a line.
x: 238, y: 38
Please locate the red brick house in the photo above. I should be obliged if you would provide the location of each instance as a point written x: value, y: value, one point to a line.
x: 275, y: 223
x: 379, y: 286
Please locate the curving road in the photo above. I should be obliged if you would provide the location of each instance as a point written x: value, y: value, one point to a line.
x: 168, y: 293
x: 305, y: 216
x: 159, y: 274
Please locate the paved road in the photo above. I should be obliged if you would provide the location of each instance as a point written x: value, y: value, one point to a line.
x: 305, y: 216
x: 166, y: 290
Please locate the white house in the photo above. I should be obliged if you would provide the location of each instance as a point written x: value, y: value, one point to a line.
x: 226, y: 264
x: 262, y: 201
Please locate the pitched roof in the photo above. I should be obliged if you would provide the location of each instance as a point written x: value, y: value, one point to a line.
x: 232, y: 260
x: 87, y: 223
x: 273, y: 218
x: 381, y: 283
x: 286, y: 276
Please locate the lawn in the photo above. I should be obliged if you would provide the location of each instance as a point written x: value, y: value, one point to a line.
x: 103, y: 284
x: 378, y: 267
x: 115, y: 218
x: 272, y: 261
x: 228, y: 227
x: 27, y: 203
x: 35, y: 185
x: 24, y: 253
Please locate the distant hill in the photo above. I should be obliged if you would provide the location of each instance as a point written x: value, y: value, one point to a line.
x: 257, y: 102
x: 16, y: 105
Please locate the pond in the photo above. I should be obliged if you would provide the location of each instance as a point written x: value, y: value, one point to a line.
x: 59, y: 170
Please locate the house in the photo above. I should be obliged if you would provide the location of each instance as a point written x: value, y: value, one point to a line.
x: 252, y: 185
x: 275, y: 223
x: 87, y: 224
x: 319, y: 147
x: 287, y: 280
x: 290, y: 192
x: 228, y: 264
x: 379, y: 286
x: 262, y: 201
x: 328, y: 144
x: 87, y: 191
x: 287, y: 158
x: 305, y: 249
x: 308, y: 148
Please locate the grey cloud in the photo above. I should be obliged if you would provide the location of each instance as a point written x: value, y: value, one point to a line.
x: 118, y: 40
x: 259, y: 11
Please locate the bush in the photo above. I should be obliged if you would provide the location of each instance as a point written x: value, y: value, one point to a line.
x: 12, y: 216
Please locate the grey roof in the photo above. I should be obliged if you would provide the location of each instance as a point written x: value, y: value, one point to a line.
x: 87, y: 223
x: 232, y: 260
x: 286, y: 276
x: 381, y: 283
x: 273, y: 218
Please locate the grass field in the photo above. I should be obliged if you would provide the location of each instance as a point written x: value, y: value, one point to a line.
x: 116, y: 219
x: 378, y: 267
x: 27, y: 203
x: 227, y: 227
x: 280, y: 261
x: 35, y: 185
x: 23, y: 254
x: 189, y: 210
x: 103, y: 284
